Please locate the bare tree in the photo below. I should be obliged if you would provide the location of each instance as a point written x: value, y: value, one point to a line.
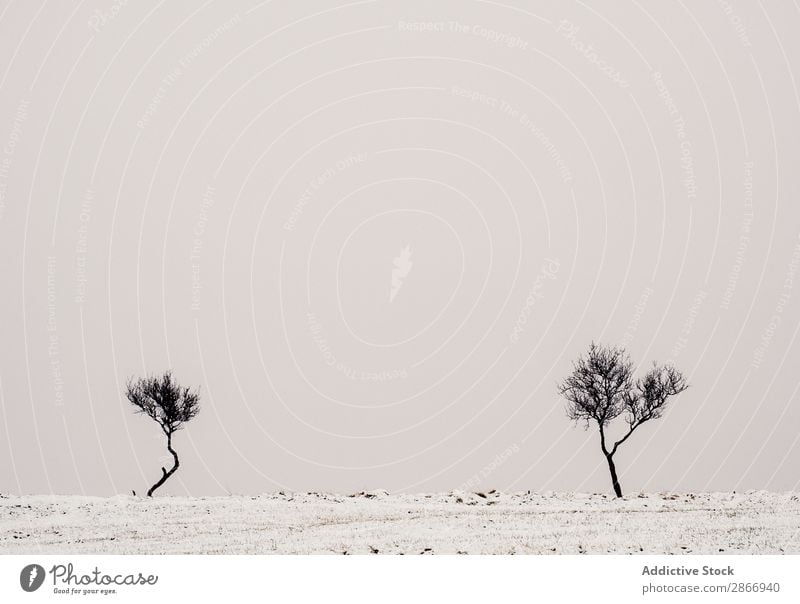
x: 161, y: 399
x: 602, y: 388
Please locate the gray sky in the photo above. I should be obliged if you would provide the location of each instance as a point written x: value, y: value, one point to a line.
x: 376, y: 234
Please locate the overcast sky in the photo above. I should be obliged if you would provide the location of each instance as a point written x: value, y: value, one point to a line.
x: 375, y: 235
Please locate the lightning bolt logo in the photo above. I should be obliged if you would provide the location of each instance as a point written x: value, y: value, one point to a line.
x: 31, y: 577
x: 401, y: 267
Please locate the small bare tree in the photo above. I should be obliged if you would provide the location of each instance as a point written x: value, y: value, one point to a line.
x: 166, y: 403
x: 602, y: 388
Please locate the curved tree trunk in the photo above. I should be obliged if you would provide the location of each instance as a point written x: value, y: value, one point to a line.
x: 164, y: 473
x: 614, y: 480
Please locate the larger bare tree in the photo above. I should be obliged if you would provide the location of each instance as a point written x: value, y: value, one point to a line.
x: 602, y: 388
x: 168, y: 404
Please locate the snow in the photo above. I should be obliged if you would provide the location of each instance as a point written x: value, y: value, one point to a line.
x: 756, y: 522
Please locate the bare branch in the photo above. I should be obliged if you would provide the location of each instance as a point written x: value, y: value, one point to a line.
x: 651, y: 396
x: 169, y: 405
x: 163, y: 400
x: 601, y: 388
x: 653, y: 392
x: 598, y: 386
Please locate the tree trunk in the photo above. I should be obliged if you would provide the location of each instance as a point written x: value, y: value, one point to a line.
x: 614, y: 480
x: 164, y: 473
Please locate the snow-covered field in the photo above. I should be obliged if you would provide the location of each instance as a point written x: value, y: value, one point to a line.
x: 486, y: 523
